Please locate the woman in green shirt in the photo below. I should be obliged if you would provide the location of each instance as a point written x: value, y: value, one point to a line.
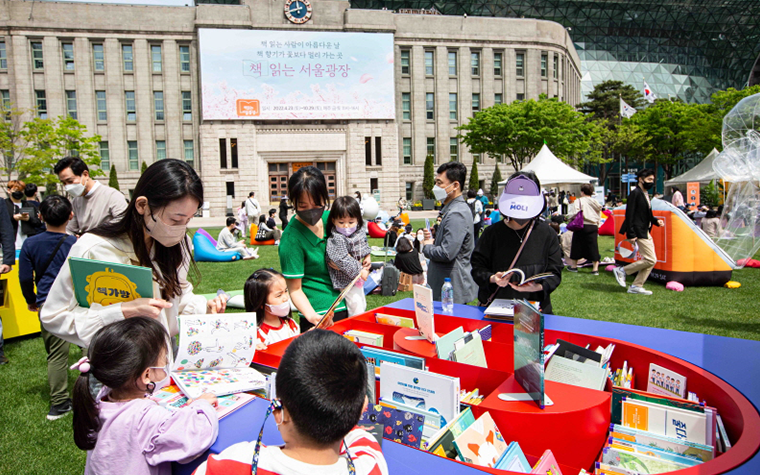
x: 303, y: 246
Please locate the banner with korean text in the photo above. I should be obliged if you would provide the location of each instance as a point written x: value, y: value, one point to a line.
x: 292, y: 75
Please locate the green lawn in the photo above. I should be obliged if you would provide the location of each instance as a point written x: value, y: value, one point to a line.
x: 40, y: 446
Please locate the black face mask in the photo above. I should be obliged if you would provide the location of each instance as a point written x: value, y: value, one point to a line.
x: 17, y: 195
x: 519, y: 221
x: 647, y: 185
x: 311, y: 216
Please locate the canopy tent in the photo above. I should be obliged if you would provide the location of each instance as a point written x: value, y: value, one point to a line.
x: 703, y: 172
x: 553, y: 171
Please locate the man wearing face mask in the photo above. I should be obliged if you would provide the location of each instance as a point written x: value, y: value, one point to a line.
x: 521, y: 240
x: 639, y: 220
x: 94, y: 204
x: 451, y: 250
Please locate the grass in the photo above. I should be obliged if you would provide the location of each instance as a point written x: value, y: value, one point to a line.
x: 41, y: 446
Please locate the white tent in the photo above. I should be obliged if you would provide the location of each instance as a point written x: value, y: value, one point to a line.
x: 553, y: 171
x: 703, y: 172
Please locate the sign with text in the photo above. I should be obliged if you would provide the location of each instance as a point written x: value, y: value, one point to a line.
x: 293, y: 75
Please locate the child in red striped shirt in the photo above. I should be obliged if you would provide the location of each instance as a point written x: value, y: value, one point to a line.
x: 321, y: 384
x: 266, y: 293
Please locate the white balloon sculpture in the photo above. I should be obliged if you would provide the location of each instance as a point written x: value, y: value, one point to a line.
x: 370, y: 208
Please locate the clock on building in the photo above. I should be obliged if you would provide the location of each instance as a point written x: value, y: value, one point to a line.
x: 298, y: 11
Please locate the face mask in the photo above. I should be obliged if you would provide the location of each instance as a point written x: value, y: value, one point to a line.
x: 159, y: 384
x: 346, y: 231
x: 420, y: 237
x: 311, y: 216
x: 17, y: 195
x: 168, y: 236
x: 280, y: 310
x: 521, y: 222
x: 648, y: 186
x: 75, y: 189
x: 440, y: 193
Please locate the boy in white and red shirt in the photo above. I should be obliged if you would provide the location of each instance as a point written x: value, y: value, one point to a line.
x: 321, y: 383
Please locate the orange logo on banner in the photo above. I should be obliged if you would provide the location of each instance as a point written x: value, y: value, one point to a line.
x: 692, y: 194
x: 248, y: 107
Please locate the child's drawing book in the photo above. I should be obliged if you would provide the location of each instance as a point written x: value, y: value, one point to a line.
x: 481, y: 443
x: 215, y: 353
x: 107, y: 283
x: 547, y: 464
x: 172, y: 399
x: 665, y: 382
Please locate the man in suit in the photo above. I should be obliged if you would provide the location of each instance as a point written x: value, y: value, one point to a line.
x: 639, y: 220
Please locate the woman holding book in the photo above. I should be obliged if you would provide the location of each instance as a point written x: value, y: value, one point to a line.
x: 151, y: 233
x: 522, y: 240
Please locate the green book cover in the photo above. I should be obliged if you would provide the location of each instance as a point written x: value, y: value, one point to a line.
x: 617, y: 403
x: 107, y: 283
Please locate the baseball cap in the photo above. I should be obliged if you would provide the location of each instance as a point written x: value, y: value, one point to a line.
x: 521, y: 199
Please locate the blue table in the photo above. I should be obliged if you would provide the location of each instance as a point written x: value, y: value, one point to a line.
x: 731, y: 359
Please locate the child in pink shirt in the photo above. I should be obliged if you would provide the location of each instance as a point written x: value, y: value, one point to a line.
x: 122, y: 430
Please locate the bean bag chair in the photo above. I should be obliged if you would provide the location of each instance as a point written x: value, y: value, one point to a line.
x: 404, y: 217
x: 375, y: 231
x: 205, y: 249
x: 254, y: 229
x: 608, y: 227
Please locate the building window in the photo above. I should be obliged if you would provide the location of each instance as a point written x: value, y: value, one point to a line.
x: 497, y: 98
x: 454, y: 149
x: 155, y: 58
x: 405, y: 61
x: 98, y: 57
x: 520, y: 65
x: 430, y: 106
x: 520, y: 96
x: 406, y: 106
x: 476, y: 158
x: 407, y: 150
x: 101, y: 105
x: 189, y: 152
x: 187, y: 106
x: 37, y: 62
x: 3, y: 56
x: 409, y: 190
x: 453, y: 106
x: 160, y: 149
x: 158, y: 104
x: 231, y: 188
x: 184, y: 60
x: 41, y: 104
x: 475, y: 63
x: 452, y: 63
x: 6, y: 99
x: 234, y: 152
x: 475, y: 102
x: 105, y: 157
x: 368, y: 151
x: 544, y: 59
x: 68, y: 56
x: 134, y: 160
x: 497, y: 61
x: 222, y: 153
x: 428, y: 63
x: 555, y: 73
x: 431, y: 147
x: 378, y: 151
x: 127, y: 58
x: 373, y: 184
x: 71, y: 104
x: 130, y: 102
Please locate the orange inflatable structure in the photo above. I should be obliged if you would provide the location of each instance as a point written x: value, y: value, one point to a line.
x: 685, y: 253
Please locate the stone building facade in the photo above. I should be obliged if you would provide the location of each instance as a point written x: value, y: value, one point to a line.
x: 131, y: 74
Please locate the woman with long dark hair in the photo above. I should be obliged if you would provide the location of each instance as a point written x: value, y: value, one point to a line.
x: 151, y: 233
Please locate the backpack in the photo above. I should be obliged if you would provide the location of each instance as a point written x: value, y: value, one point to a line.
x: 472, y: 208
x: 390, y: 279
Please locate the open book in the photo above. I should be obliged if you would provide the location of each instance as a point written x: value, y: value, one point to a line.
x: 215, y: 354
x: 323, y: 323
x: 521, y: 274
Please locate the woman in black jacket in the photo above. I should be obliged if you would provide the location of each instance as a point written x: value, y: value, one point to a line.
x: 22, y: 212
x: 284, y: 207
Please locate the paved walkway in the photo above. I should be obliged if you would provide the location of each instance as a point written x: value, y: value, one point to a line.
x: 218, y: 221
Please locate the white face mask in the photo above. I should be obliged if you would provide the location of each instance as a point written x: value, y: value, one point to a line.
x: 75, y: 189
x: 420, y: 237
x: 280, y: 310
x: 165, y: 381
x: 440, y: 193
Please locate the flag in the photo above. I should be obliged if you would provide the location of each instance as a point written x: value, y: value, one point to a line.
x: 648, y: 94
x: 626, y: 111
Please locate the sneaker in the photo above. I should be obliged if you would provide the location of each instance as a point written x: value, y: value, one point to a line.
x: 595, y: 272
x: 619, y: 276
x: 3, y: 360
x: 571, y: 269
x: 634, y: 289
x: 59, y: 410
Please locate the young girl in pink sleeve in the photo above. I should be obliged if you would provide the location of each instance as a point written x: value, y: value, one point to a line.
x: 122, y: 430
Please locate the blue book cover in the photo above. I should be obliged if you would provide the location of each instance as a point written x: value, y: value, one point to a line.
x: 433, y: 420
x: 376, y: 356
x: 399, y: 426
x: 513, y: 459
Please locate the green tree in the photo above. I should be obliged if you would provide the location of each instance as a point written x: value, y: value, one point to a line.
x: 519, y: 130
x: 722, y: 103
x: 13, y: 139
x: 428, y: 177
x: 495, y: 179
x: 143, y: 168
x: 604, y: 101
x: 474, y: 183
x: 113, y: 180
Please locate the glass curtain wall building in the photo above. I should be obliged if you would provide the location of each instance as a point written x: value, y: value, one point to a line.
x: 681, y: 48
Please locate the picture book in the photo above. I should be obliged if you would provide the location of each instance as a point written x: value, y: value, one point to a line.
x: 215, y: 353
x: 513, y: 459
x: 568, y: 371
x: 421, y: 389
x: 529, y: 350
x: 652, y: 452
x: 399, y: 426
x: 547, y: 464
x: 423, y: 310
x: 366, y: 338
x: 432, y: 420
x: 469, y: 350
x: 578, y: 353
x: 665, y: 382
x: 444, y: 345
x: 443, y: 443
x: 673, y: 445
x: 394, y: 320
x: 444, y: 446
x: 640, y: 463
x: 521, y: 276
x: 106, y: 283
x: 481, y: 443
x: 342, y: 295
x: 377, y: 356
x: 604, y: 469
x: 172, y: 399
x: 501, y: 308
x: 617, y: 401
x: 665, y: 420
x: 486, y: 332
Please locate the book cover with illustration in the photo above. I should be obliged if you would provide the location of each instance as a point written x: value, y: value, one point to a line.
x: 529, y: 350
x: 394, y: 320
x: 215, y: 353
x: 107, y: 283
x: 547, y: 465
x: 701, y: 452
x: 421, y: 389
x: 513, y: 460
x: 423, y: 310
x: 443, y: 443
x: 664, y: 420
x: 376, y: 356
x: 639, y: 463
x: 481, y: 443
x: 399, y: 426
x: 172, y: 398
x: 665, y: 382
